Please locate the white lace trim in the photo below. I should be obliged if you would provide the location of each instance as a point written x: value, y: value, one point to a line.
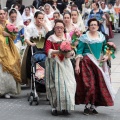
x: 31, y: 31
x: 87, y: 39
x: 7, y: 83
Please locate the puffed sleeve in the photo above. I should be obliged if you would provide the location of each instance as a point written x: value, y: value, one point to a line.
x: 27, y: 33
x: 80, y: 49
x: 48, y: 48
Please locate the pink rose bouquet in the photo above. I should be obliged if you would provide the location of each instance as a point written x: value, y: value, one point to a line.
x: 65, y: 46
x: 74, y: 36
x: 12, y: 30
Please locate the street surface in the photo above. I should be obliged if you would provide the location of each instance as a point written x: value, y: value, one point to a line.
x: 18, y: 108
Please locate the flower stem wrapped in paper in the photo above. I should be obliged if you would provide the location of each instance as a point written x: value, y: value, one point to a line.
x: 22, y: 39
x: 66, y: 49
x: 75, y: 35
x: 109, y: 51
x: 12, y: 30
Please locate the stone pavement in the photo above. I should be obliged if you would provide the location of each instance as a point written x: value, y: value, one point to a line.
x: 18, y: 108
x: 115, y: 70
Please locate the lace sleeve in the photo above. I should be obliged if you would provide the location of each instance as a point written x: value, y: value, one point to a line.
x: 27, y: 33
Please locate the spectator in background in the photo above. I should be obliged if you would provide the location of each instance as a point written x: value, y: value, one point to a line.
x: 22, y: 7
x: 56, y: 15
x: 50, y: 2
x: 79, y: 4
x: 36, y: 3
x: 97, y: 13
x: 66, y: 2
x: 27, y: 13
x: 61, y: 6
x: 9, y: 3
x: 16, y: 6
x: 43, y: 2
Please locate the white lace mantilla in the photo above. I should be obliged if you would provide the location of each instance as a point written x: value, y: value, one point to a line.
x: 85, y: 38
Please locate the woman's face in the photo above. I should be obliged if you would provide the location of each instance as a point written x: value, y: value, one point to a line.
x: 27, y: 11
x: 87, y: 5
x: 47, y: 9
x: 2, y: 15
x: 16, y: 7
x: 102, y: 5
x: 74, y: 16
x: 39, y: 19
x: 27, y: 22
x: 109, y: 6
x: 94, y: 6
x: 6, y: 15
x: 59, y: 29
x: 33, y: 10
x: 117, y: 2
x: 13, y: 17
x: 93, y: 26
x: 66, y: 19
x: 56, y: 16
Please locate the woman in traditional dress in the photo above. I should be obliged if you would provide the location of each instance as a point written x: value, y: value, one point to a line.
x: 69, y: 26
x: 33, y: 9
x: 27, y: 14
x: 77, y: 20
x: 60, y: 81
x: 9, y: 62
x: 93, y: 82
x: 49, y: 11
x: 56, y: 15
x: 117, y: 10
x: 106, y: 23
x: 16, y: 19
x: 112, y: 14
x: 34, y: 36
x: 37, y: 29
x: 85, y: 13
x: 6, y: 12
x: 15, y: 6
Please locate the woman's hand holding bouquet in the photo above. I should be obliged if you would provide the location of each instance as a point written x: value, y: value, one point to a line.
x: 109, y: 51
x: 66, y: 49
x: 75, y: 35
x: 10, y: 31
